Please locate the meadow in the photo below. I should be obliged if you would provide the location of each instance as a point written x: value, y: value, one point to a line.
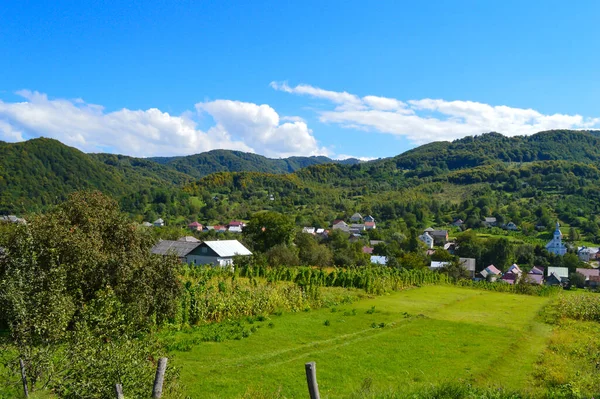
x: 395, y: 342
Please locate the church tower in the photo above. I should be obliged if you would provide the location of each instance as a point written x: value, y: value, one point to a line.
x: 556, y: 246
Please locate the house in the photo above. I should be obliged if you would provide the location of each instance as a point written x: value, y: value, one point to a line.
x: 341, y: 225
x: 490, y: 222
x: 450, y: 247
x: 12, y: 219
x: 490, y: 273
x: 189, y: 239
x: 437, y: 265
x: 511, y: 226
x: 514, y: 268
x: 234, y: 229
x: 369, y: 219
x: 594, y: 281
x: 357, y: 217
x: 367, y: 250
x: 379, y: 260
x: 321, y: 231
x: 178, y: 248
x: 458, y: 223
x: 357, y: 228
x: 147, y: 224
x: 561, y: 272
x: 220, y: 229
x: 556, y: 246
x: 376, y: 242
x: 510, y: 277
x: 535, y: 275
x: 588, y: 273
x: 236, y: 223
x: 440, y: 237
x: 308, y: 230
x: 370, y: 225
x: 159, y: 223
x: 208, y: 228
x: 195, y: 226
x: 217, y: 253
x: 587, y: 254
x: 427, y: 239
x: 468, y: 264
x: 553, y: 279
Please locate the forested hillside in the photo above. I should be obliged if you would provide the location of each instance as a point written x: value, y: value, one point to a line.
x: 434, y: 182
x: 42, y: 172
x: 201, y: 165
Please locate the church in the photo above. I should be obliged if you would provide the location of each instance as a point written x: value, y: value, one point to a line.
x: 556, y: 246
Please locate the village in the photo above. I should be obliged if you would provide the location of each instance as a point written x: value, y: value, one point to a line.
x: 221, y: 252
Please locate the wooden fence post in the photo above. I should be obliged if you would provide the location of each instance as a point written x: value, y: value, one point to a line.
x: 24, y: 377
x: 119, y: 391
x: 160, y: 378
x: 311, y: 379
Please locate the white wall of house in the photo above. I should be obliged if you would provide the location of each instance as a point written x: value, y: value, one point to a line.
x: 209, y: 260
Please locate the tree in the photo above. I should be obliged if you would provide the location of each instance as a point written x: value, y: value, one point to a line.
x: 311, y: 253
x: 577, y: 279
x: 61, y: 263
x: 268, y: 229
x: 282, y: 255
x: 455, y: 270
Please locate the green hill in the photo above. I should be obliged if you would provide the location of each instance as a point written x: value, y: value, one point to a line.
x: 203, y: 164
x: 41, y: 172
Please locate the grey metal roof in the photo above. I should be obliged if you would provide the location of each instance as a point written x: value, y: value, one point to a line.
x: 227, y: 248
x: 189, y: 239
x: 559, y: 271
x: 179, y: 248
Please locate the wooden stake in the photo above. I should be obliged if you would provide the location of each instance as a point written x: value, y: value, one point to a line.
x: 119, y: 391
x: 311, y: 379
x: 24, y: 378
x: 160, y: 378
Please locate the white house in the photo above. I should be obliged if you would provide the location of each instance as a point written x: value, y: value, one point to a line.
x: 159, y: 223
x: 427, y: 239
x: 437, y: 265
x: 556, y: 246
x: 587, y: 253
x: 217, y: 253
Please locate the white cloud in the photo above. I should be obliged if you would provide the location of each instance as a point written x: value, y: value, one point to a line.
x: 427, y: 120
x: 341, y: 157
x: 260, y: 125
x: 240, y: 126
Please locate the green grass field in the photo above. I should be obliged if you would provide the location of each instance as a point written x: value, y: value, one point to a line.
x: 399, y: 341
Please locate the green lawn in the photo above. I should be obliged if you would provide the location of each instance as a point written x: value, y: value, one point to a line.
x: 430, y: 335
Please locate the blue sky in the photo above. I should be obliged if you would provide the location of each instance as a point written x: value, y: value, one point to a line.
x: 171, y: 78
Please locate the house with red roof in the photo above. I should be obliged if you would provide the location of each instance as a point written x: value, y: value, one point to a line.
x: 195, y: 226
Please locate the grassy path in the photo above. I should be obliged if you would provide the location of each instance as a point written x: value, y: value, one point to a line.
x: 450, y: 333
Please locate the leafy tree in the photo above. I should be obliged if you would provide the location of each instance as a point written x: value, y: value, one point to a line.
x: 282, y: 255
x: 268, y: 229
x: 577, y: 279
x: 59, y: 264
x: 455, y: 270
